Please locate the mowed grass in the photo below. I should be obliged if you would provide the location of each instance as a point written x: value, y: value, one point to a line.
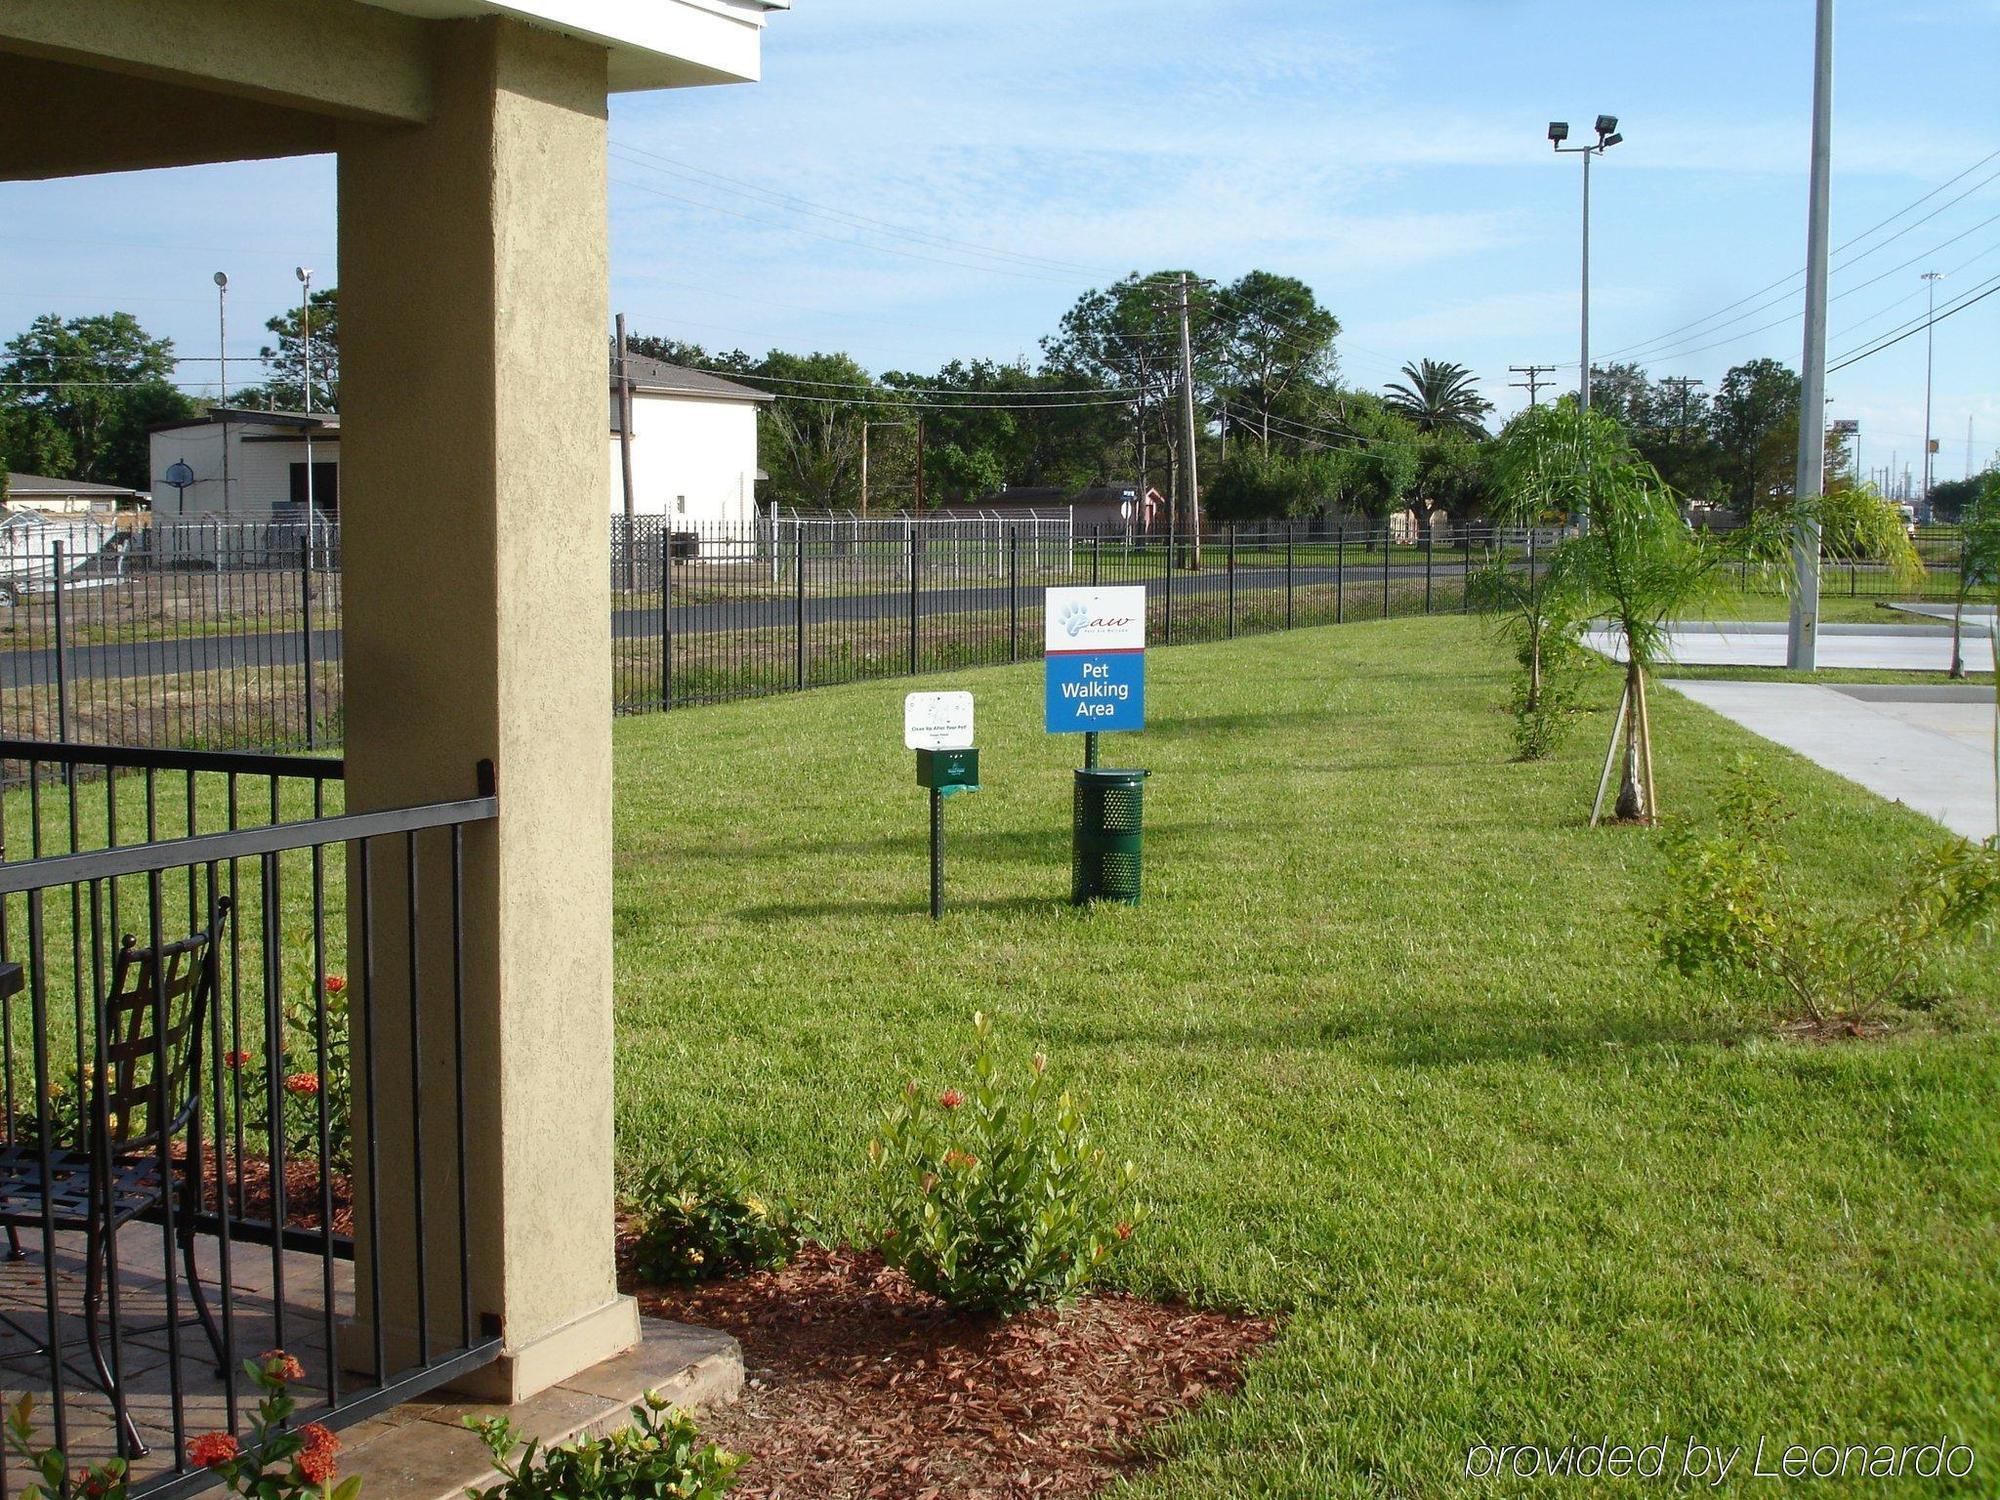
x: 1386, y: 1037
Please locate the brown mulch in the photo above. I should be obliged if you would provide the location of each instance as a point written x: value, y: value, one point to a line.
x: 301, y: 1190
x: 861, y: 1386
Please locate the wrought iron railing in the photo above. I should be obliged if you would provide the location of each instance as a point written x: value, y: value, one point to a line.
x: 234, y: 1120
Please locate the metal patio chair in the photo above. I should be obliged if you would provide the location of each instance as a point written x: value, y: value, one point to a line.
x: 147, y: 1095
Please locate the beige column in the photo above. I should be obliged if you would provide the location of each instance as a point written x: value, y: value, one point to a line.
x: 473, y: 301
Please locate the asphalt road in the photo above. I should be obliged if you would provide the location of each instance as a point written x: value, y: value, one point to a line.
x: 192, y: 655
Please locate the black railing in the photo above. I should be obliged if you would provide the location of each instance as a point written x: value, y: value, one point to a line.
x: 223, y: 639
x: 234, y: 1120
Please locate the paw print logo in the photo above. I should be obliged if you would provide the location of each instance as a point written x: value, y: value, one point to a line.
x: 1073, y: 618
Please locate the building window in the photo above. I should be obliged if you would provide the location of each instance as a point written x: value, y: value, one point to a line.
x: 325, y: 487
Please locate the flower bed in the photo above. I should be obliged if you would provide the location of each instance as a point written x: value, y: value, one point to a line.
x: 859, y: 1384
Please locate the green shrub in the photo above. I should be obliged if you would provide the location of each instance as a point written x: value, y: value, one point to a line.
x: 660, y: 1456
x: 1544, y: 715
x: 1731, y: 910
x: 698, y: 1223
x: 993, y: 1197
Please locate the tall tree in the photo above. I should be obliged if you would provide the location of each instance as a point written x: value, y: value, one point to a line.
x: 1274, y: 339
x: 78, y: 396
x: 1438, y: 396
x: 810, y: 436
x: 285, y: 362
x: 1127, y: 337
x: 1755, y: 423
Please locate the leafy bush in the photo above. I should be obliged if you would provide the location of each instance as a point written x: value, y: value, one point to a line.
x: 278, y: 1462
x: 1545, y: 710
x: 993, y: 1197
x: 698, y: 1223
x: 660, y: 1456
x: 1732, y: 910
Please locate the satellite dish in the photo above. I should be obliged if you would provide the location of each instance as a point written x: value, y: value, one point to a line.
x: 179, y: 475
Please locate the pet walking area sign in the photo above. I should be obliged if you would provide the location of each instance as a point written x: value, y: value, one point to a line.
x: 1095, y: 649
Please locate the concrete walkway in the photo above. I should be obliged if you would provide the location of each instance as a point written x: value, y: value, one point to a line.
x: 1928, y: 746
x: 1761, y: 643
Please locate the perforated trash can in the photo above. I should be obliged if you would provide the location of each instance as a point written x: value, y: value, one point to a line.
x: 1106, y: 836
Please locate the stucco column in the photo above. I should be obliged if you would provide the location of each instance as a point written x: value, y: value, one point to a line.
x: 473, y: 296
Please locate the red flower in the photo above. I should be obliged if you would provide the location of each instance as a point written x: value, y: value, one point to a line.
x: 318, y: 1466
x: 336, y: 983
x: 951, y: 1099
x: 212, y: 1450
x: 1123, y: 1231
x: 236, y: 1059
x: 302, y: 1083
x: 319, y: 1438
x: 281, y: 1366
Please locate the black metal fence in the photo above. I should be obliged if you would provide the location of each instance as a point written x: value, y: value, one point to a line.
x: 227, y: 637
x: 211, y: 1098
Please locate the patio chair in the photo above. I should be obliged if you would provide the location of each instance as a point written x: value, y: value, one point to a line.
x: 146, y: 1097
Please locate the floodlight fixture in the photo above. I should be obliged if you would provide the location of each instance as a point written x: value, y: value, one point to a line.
x: 1558, y: 132
x: 1607, y: 125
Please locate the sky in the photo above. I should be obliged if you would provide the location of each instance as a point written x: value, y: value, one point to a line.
x: 920, y: 180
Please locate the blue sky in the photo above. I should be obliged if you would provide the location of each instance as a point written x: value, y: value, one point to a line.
x: 1390, y: 154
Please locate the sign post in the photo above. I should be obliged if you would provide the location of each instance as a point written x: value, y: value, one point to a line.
x: 938, y: 726
x: 1094, y: 681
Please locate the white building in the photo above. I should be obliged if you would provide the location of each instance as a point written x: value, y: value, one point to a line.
x: 694, y: 454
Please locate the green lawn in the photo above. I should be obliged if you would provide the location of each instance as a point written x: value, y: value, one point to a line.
x: 1385, y: 1036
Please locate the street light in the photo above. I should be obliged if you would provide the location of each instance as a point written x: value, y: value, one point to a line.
x: 1931, y: 279
x: 1607, y: 137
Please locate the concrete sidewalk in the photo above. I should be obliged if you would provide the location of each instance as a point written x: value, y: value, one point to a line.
x: 1928, y: 746
x: 1761, y: 643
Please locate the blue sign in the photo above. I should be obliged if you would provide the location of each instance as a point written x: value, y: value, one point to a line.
x: 1096, y: 692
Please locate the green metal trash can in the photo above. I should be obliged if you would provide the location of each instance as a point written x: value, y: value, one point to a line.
x: 1107, y: 833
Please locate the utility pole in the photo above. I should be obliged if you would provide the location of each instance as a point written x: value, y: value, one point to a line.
x: 305, y: 275
x: 1685, y: 385
x: 1931, y: 279
x: 625, y: 453
x: 222, y: 351
x: 1533, y: 383
x: 920, y: 465
x: 1192, y: 514
x: 1802, y: 641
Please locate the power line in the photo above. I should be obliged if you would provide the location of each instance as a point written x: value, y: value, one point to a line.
x: 1838, y: 249
x: 1737, y: 338
x: 908, y: 390
x: 1991, y: 286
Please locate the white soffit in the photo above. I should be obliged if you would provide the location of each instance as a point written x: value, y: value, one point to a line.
x: 654, y: 44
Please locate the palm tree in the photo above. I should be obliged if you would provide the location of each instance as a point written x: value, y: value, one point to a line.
x: 1638, y: 559
x: 1440, y: 397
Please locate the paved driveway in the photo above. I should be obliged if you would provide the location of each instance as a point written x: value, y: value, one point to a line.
x: 1928, y: 746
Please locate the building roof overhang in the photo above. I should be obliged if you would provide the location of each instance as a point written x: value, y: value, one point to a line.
x: 653, y: 44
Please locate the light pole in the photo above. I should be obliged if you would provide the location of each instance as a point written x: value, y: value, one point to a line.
x: 305, y: 275
x: 222, y: 380
x: 1931, y: 279
x: 1809, y: 483
x: 1607, y: 137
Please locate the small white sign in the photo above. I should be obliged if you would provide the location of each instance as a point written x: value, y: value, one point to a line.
x: 937, y: 721
x: 1109, y: 619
